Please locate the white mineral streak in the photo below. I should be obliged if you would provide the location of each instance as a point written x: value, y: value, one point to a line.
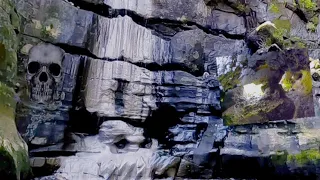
x: 142, y: 7
x: 122, y: 37
x: 122, y: 89
x: 228, y: 63
x: 108, y: 164
x: 111, y: 131
x: 224, y: 64
x: 103, y: 82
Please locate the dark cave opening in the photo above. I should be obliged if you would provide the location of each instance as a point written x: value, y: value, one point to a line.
x: 158, y: 123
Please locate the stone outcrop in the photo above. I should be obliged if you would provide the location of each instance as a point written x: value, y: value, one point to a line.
x: 138, y: 83
x: 263, y: 89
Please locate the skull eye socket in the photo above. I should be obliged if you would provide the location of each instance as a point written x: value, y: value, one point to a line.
x: 54, y: 69
x: 33, y: 67
x: 121, y: 144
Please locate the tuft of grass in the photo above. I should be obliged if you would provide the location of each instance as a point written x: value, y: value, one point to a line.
x: 283, y: 27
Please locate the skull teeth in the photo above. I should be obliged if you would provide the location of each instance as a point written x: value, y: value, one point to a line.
x: 41, y: 93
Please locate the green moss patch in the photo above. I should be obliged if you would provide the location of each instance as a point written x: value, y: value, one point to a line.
x: 231, y: 79
x: 283, y: 28
x: 229, y: 120
x: 306, y: 81
x: 287, y: 81
x: 15, y: 19
x: 305, y: 157
x: 280, y: 158
x: 14, y: 161
x: 274, y: 8
x: 6, y: 95
x: 8, y: 46
x: 308, y: 4
x: 244, y: 114
x: 315, y: 20
x: 12, y: 146
x: 311, y: 27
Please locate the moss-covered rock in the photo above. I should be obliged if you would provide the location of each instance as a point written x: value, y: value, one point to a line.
x: 287, y: 81
x: 305, y: 157
x: 304, y: 84
x: 8, y: 45
x: 230, y: 79
x: 279, y: 158
x: 13, y: 150
x: 308, y: 5
x: 283, y: 28
x: 251, y: 113
x: 14, y: 162
x: 274, y: 7
x: 306, y: 81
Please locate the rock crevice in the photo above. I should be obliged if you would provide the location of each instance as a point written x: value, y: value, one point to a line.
x: 162, y: 26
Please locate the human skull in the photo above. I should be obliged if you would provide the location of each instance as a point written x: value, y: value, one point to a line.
x: 44, y: 72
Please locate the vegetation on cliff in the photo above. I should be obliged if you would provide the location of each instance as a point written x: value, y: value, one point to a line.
x: 305, y: 157
x: 14, y: 162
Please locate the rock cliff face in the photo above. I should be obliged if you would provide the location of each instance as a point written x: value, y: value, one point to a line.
x: 128, y: 89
